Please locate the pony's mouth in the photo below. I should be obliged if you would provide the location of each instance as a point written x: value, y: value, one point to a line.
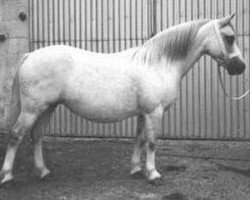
x: 235, y: 66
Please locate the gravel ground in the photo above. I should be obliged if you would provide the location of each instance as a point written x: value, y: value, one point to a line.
x: 99, y: 170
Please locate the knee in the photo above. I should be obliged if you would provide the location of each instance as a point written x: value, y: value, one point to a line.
x: 15, y: 138
x: 142, y: 143
x: 152, y: 146
x: 35, y: 139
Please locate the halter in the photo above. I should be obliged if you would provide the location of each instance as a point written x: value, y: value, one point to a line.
x: 223, y: 48
x: 221, y: 43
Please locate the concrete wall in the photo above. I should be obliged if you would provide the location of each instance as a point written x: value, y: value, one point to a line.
x: 11, y: 49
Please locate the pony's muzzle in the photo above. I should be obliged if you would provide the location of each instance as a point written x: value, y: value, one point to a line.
x: 235, y: 66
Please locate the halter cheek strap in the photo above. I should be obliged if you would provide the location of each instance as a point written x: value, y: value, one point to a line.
x: 219, y: 38
x: 221, y: 42
x: 223, y: 48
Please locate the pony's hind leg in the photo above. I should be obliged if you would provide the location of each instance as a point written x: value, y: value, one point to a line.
x: 22, y: 126
x: 37, y: 137
x: 136, y: 171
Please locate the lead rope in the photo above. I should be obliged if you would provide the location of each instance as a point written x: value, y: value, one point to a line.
x: 224, y: 89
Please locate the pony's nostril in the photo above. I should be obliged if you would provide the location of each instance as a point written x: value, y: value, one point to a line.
x: 241, y: 68
x: 244, y: 67
x: 235, y: 66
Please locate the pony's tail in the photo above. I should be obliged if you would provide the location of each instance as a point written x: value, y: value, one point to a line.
x: 15, y: 103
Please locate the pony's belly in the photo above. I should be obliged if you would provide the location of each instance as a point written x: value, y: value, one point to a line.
x: 105, y: 113
x: 102, y: 95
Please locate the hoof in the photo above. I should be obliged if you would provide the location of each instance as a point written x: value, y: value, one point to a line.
x: 138, y: 175
x: 154, y: 177
x: 6, y: 178
x: 157, y: 181
x: 46, y: 178
x: 43, y: 174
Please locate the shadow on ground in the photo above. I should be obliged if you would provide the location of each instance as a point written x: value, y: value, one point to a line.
x: 244, y: 172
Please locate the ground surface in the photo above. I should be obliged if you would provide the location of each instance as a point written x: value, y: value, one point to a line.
x: 100, y: 171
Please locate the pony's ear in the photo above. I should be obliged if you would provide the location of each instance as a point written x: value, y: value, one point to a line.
x: 226, y: 20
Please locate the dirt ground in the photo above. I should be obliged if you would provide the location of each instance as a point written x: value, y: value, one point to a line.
x: 99, y: 170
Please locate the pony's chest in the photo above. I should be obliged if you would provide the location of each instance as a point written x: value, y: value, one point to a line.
x: 159, y: 90
x: 169, y: 91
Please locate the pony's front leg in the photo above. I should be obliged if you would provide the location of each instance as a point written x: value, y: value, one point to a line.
x: 153, y: 124
x: 136, y: 170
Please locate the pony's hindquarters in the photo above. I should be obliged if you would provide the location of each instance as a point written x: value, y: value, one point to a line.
x: 26, y: 107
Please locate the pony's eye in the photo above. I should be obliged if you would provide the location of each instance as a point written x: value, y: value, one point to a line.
x: 229, y: 39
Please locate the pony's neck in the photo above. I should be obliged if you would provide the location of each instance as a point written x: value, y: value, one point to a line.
x: 195, y: 53
x: 178, y: 47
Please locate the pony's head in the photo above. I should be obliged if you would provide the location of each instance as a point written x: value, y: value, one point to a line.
x: 221, y: 44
